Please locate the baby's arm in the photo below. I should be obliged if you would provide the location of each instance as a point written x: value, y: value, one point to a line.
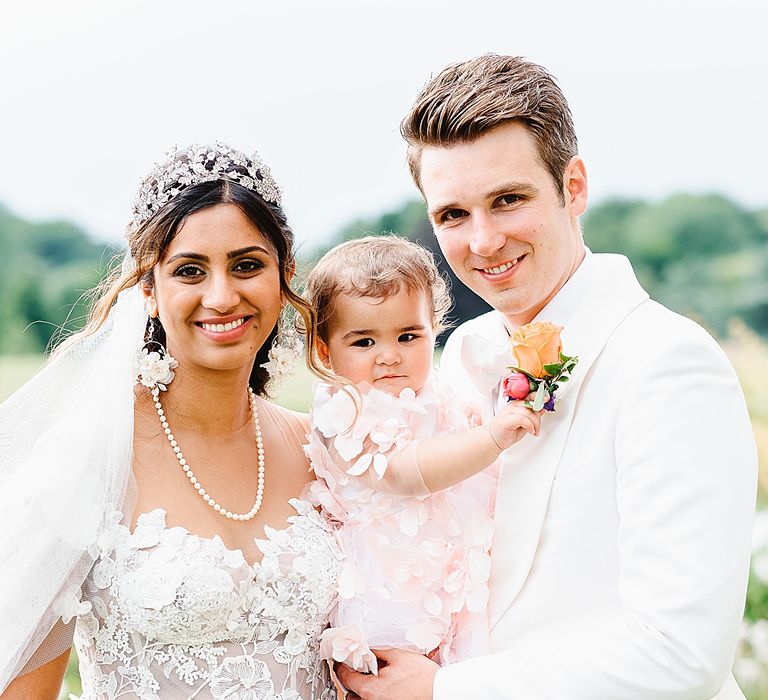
x: 433, y: 464
x: 449, y: 459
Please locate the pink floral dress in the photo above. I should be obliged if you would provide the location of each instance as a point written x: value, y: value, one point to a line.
x: 416, y: 564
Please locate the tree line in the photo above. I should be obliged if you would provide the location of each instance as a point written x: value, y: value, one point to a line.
x: 45, y: 270
x: 702, y: 255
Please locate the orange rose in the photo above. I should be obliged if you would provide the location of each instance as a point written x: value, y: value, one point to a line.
x: 536, y: 345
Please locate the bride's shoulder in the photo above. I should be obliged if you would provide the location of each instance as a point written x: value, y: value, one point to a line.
x: 297, y: 421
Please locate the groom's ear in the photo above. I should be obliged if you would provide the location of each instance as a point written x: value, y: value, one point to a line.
x: 575, y: 184
x: 321, y: 348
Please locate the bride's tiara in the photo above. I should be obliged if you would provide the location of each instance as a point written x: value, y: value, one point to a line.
x: 196, y: 164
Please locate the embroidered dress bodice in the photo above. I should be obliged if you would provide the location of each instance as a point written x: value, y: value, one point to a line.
x: 166, y: 614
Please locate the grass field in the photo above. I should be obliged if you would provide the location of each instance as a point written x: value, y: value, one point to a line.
x: 15, y: 370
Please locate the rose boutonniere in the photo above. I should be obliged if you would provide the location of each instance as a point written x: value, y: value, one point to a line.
x: 540, y: 365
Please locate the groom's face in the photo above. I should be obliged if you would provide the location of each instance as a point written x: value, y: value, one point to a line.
x: 500, y: 220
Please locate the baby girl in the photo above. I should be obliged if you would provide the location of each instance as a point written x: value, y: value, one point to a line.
x: 400, y: 464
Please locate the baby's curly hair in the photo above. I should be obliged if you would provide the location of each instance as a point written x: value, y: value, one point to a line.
x: 377, y: 267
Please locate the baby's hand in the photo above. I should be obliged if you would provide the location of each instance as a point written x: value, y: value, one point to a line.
x: 512, y: 423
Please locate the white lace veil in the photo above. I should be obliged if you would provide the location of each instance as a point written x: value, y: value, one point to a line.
x: 65, y: 457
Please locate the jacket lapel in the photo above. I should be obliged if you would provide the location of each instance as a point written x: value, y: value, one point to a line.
x: 529, y: 468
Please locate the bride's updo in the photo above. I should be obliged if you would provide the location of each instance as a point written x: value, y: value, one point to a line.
x: 189, y: 181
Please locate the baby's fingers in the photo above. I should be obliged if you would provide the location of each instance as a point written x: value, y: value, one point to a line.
x: 528, y: 424
x: 525, y: 418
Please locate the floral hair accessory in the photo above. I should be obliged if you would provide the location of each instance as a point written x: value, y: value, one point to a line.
x: 540, y: 365
x: 196, y: 164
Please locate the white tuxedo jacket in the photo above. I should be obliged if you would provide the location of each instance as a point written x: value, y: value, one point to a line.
x: 622, y: 543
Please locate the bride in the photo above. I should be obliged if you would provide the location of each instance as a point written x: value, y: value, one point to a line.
x: 149, y: 503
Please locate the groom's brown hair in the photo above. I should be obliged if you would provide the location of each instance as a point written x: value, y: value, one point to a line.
x: 469, y: 99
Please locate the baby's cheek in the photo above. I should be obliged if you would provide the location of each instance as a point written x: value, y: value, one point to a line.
x: 426, y: 369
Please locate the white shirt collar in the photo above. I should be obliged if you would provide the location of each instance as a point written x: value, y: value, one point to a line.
x: 561, y: 307
x: 564, y: 303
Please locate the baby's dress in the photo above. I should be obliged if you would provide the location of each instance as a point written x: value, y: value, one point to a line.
x: 166, y: 614
x: 416, y: 564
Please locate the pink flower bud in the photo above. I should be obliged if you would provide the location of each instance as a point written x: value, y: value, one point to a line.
x: 516, y: 386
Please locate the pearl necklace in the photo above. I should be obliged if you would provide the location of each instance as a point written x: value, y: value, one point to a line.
x: 190, y: 474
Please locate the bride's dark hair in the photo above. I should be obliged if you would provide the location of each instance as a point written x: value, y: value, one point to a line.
x: 149, y: 242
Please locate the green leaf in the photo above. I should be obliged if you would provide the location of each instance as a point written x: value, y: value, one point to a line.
x: 563, y: 379
x: 553, y: 370
x: 540, y: 398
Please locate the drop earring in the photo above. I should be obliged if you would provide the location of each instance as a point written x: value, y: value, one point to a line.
x: 152, y: 365
x: 285, y: 351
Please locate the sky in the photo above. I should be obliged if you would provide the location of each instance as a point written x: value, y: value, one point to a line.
x: 667, y: 95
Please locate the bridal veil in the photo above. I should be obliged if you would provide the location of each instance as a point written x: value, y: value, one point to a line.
x: 65, y: 458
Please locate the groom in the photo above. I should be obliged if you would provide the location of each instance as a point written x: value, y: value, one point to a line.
x: 622, y: 540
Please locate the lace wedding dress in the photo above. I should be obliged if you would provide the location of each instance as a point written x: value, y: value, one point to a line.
x: 166, y: 614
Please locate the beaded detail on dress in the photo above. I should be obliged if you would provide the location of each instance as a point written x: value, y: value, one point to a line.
x: 167, y: 614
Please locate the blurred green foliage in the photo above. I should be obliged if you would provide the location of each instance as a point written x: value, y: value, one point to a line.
x: 45, y: 268
x: 704, y: 256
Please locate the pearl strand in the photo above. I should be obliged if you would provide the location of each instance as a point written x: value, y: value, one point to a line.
x: 190, y: 474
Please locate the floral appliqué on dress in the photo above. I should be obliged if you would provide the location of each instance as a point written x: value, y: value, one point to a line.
x: 416, y: 567
x: 166, y: 614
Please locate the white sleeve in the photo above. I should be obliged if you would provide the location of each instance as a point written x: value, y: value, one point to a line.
x: 453, y: 373
x: 451, y: 368
x: 686, y: 486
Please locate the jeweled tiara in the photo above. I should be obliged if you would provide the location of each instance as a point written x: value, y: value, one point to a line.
x: 196, y: 164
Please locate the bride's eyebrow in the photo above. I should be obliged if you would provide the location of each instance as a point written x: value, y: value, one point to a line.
x: 232, y: 254
x: 187, y: 256
x: 244, y: 251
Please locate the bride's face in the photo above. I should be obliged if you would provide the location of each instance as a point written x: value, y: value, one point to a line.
x: 217, y: 290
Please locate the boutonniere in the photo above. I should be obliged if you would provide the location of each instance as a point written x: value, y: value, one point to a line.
x: 540, y: 365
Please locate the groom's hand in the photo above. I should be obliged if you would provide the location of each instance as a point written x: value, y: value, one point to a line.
x: 402, y: 674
